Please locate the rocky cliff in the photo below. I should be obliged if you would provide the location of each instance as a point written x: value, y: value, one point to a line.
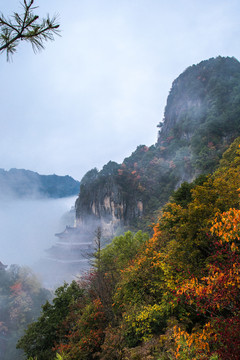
x: 111, y: 201
x: 202, y: 113
x: 202, y: 117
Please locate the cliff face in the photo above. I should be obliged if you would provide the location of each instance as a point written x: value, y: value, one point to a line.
x: 106, y: 202
x: 202, y: 117
x: 198, y: 87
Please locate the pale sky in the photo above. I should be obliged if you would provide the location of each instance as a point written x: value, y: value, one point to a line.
x: 100, y: 89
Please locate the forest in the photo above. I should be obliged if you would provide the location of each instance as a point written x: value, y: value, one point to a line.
x: 172, y: 295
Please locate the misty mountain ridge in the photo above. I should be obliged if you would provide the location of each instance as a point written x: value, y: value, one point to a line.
x: 201, y: 119
x: 21, y: 183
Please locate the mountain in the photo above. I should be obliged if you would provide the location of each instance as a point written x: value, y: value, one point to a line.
x: 201, y: 119
x: 174, y: 295
x: 20, y: 183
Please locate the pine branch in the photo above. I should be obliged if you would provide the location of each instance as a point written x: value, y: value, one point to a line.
x: 26, y: 27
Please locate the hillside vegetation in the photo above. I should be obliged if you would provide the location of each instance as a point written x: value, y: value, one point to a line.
x: 21, y: 297
x: 173, y: 296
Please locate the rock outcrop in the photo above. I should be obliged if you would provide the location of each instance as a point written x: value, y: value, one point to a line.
x: 202, y: 117
x: 108, y: 204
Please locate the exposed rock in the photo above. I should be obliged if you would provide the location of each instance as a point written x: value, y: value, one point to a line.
x: 202, y: 118
x: 107, y: 204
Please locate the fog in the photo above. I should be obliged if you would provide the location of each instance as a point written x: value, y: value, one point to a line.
x: 28, y: 228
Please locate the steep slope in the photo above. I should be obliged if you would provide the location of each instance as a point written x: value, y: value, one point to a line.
x: 202, y: 113
x: 202, y: 117
x: 172, y: 296
x: 20, y: 183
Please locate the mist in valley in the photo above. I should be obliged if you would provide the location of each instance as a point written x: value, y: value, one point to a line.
x: 27, y: 230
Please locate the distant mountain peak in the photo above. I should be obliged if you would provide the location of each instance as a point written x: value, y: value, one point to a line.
x: 21, y: 183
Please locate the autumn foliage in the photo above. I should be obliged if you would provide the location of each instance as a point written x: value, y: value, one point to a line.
x: 177, y: 295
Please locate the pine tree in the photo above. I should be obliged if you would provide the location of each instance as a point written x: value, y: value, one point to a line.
x: 27, y: 27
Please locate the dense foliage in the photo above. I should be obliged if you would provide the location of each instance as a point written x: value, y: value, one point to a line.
x: 173, y: 296
x: 21, y: 297
x: 42, y: 336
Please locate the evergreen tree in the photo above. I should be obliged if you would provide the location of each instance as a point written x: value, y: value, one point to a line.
x: 28, y: 27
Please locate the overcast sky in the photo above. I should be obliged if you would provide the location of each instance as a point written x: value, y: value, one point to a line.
x: 100, y: 89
